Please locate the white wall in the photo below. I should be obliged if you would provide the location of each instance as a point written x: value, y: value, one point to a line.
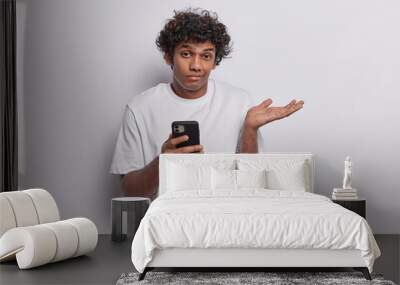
x: 81, y: 61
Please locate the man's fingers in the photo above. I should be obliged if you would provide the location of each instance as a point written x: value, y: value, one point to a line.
x: 189, y: 149
x: 294, y: 107
x: 170, y: 145
x: 294, y: 104
x: 265, y: 103
x: 291, y: 103
x: 298, y: 105
x: 178, y: 140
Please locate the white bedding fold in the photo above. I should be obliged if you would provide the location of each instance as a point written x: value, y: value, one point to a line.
x: 250, y: 218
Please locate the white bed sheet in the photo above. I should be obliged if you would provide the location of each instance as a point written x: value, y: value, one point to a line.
x: 250, y: 218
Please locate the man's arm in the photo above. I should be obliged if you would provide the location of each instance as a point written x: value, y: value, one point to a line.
x: 247, y: 141
x: 144, y: 182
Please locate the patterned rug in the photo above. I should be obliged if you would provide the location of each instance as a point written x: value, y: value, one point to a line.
x: 269, y: 278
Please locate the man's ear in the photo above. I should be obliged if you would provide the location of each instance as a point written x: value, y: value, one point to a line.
x: 168, y: 59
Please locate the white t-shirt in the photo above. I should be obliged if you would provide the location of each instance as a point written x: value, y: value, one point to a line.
x: 149, y: 115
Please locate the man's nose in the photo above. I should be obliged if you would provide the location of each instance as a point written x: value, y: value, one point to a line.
x: 195, y: 64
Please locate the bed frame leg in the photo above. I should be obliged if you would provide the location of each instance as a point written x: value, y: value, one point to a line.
x: 364, y: 271
x: 143, y: 274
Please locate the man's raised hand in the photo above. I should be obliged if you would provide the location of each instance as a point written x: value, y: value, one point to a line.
x: 263, y: 113
x: 169, y: 146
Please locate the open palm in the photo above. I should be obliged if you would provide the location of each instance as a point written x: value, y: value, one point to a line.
x: 263, y: 113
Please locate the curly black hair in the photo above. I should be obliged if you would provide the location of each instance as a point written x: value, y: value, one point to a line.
x: 194, y: 25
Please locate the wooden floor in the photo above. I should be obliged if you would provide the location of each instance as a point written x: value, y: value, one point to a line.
x: 111, y: 259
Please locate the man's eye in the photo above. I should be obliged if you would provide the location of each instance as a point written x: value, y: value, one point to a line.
x: 207, y: 56
x: 185, y: 54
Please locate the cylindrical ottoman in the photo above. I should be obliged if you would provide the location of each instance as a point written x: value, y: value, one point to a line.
x: 126, y: 213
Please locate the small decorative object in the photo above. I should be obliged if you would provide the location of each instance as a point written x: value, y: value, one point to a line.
x: 347, y: 192
x: 347, y: 173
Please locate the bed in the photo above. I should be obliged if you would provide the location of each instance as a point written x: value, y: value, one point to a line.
x: 245, y: 211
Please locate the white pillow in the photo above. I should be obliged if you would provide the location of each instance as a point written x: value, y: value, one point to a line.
x: 251, y: 178
x: 288, y: 179
x: 188, y: 177
x: 282, y: 174
x: 201, y: 160
x: 223, y: 179
x: 228, y: 179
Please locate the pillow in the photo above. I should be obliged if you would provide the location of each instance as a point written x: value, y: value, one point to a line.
x: 188, y: 177
x: 251, y: 178
x: 287, y: 179
x: 202, y: 160
x: 236, y: 179
x: 282, y: 174
x: 223, y: 179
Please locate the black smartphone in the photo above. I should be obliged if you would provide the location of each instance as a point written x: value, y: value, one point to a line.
x: 189, y: 128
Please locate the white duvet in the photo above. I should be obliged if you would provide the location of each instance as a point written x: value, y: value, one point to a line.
x: 251, y: 218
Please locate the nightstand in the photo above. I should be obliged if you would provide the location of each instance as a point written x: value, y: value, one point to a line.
x: 358, y: 206
x: 126, y: 214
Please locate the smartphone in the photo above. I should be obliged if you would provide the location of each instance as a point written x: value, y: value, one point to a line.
x: 189, y: 128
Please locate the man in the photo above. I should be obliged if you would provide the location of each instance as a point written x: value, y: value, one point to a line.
x: 193, y: 43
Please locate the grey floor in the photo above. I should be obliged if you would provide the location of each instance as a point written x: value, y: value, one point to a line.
x: 102, y: 266
x: 110, y: 260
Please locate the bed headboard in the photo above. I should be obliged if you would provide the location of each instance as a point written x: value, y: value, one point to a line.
x: 210, y: 158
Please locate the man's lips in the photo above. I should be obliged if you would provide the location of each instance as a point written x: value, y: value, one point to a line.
x: 193, y: 77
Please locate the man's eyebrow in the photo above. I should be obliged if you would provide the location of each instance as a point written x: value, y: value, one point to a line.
x: 209, y: 49
x: 185, y: 46
x: 190, y: 47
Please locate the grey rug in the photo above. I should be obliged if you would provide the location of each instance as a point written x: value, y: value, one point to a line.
x: 269, y: 278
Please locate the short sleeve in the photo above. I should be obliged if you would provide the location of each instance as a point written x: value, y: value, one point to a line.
x: 128, y: 154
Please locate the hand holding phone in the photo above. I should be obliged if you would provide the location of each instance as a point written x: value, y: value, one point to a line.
x: 189, y: 128
x: 185, y: 138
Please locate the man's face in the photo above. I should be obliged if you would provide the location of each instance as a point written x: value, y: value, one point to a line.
x: 192, y: 64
